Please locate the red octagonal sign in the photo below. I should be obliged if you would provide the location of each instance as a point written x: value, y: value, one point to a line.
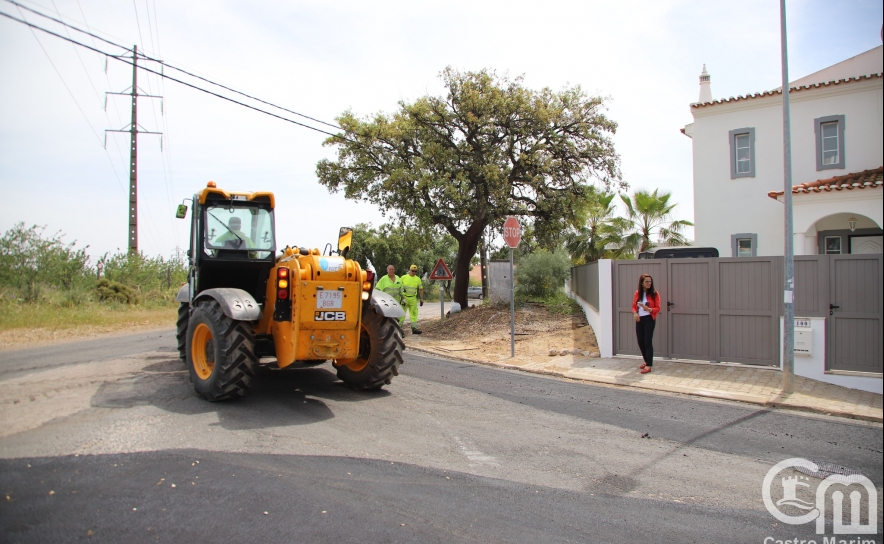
x: 512, y: 232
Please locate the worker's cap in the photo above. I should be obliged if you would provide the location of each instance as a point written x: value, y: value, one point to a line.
x: 235, y: 223
x: 413, y: 267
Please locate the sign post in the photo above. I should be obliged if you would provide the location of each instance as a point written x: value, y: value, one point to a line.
x: 441, y: 273
x: 512, y: 235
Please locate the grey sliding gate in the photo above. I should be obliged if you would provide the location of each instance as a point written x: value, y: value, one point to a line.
x: 729, y: 309
x: 748, y: 310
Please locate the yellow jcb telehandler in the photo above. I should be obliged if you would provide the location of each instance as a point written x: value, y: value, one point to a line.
x: 243, y: 302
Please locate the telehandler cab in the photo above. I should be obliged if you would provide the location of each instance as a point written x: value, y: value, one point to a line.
x: 242, y: 302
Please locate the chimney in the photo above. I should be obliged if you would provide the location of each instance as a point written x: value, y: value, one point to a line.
x: 705, y: 87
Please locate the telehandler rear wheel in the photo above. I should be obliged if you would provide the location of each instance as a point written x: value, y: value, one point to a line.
x: 380, y: 354
x: 220, y: 353
x: 181, y: 333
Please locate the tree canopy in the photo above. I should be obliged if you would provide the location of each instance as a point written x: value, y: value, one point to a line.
x: 488, y: 149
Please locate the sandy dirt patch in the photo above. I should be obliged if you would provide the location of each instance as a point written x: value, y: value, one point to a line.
x: 482, y: 333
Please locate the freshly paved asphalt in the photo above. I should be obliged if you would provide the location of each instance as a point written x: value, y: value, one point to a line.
x: 450, y: 452
x: 14, y: 363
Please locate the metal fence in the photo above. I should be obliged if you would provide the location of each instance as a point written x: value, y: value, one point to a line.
x: 585, y: 283
x: 729, y: 309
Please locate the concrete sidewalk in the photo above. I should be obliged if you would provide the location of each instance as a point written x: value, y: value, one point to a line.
x: 742, y: 383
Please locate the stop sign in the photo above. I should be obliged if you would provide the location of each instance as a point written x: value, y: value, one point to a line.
x: 512, y: 232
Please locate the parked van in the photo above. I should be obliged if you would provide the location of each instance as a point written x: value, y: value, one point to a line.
x: 684, y: 252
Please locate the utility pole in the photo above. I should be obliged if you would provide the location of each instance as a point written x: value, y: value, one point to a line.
x: 788, y: 249
x: 483, y: 263
x: 133, y: 130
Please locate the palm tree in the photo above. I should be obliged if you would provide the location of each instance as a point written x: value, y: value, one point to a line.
x: 649, y: 214
x: 587, y: 242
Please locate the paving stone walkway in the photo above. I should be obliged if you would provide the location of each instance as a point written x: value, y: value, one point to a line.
x: 715, y: 380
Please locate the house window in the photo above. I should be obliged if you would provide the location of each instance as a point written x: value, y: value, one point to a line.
x: 743, y: 162
x: 829, y: 142
x: 833, y: 245
x: 742, y: 146
x: 744, y: 245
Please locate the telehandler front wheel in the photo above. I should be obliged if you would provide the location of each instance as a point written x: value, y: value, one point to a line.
x: 380, y: 354
x: 181, y: 332
x: 220, y: 353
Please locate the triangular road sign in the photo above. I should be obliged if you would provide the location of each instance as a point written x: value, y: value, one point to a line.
x: 441, y: 272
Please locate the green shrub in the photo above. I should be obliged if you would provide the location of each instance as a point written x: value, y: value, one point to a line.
x: 542, y: 273
x: 31, y: 261
x: 112, y: 291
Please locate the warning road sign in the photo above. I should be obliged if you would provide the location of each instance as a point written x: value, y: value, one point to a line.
x: 440, y: 272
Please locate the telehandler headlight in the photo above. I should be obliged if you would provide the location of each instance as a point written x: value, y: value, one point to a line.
x: 365, y: 295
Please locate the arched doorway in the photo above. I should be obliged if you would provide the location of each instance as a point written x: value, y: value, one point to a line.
x: 848, y: 234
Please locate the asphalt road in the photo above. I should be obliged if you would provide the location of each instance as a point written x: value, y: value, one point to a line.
x: 105, y: 441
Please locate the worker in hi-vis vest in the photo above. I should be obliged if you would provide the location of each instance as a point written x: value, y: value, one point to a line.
x: 412, y: 291
x: 391, y: 284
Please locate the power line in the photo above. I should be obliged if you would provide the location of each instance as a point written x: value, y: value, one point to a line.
x: 166, y: 174
x: 63, y: 82
x: 59, y: 21
x: 86, y: 71
x: 178, y: 69
x: 252, y: 97
x: 107, y: 116
x: 125, y: 60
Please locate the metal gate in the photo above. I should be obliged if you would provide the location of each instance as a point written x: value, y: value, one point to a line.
x: 625, y: 279
x: 748, y: 310
x: 729, y: 309
x: 714, y: 309
x: 690, y: 308
x: 854, y: 324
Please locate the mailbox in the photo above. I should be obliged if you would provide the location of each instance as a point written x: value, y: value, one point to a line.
x: 803, y: 337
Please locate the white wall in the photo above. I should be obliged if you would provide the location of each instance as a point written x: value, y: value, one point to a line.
x: 601, y: 319
x: 724, y: 206
x: 814, y: 366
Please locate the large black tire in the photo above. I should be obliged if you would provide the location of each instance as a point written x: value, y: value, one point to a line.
x: 220, y: 353
x: 181, y: 332
x: 380, y: 354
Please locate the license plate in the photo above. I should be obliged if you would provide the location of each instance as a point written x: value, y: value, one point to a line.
x: 329, y: 299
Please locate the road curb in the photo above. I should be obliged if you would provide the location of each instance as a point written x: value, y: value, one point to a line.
x: 771, y: 401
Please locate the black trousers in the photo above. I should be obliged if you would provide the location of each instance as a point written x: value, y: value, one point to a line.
x: 644, y: 333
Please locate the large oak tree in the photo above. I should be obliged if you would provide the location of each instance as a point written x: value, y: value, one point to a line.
x: 489, y: 149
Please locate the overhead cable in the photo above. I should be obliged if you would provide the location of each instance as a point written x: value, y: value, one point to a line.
x: 145, y: 57
x: 133, y: 62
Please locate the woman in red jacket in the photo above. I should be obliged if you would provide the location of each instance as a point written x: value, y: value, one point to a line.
x: 645, y: 307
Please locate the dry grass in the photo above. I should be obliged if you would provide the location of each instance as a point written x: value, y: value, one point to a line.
x: 23, y: 325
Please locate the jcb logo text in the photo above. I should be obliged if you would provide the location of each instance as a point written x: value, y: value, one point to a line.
x: 330, y: 316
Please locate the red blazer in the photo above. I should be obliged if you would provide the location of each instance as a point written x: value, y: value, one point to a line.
x: 653, y: 303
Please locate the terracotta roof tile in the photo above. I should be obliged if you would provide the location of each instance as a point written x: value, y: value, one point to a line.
x: 867, y: 179
x: 791, y: 90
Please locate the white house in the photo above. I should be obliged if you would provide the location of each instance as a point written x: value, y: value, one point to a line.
x: 837, y: 154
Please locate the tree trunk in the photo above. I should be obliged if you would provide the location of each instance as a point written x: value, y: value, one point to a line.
x: 466, y: 248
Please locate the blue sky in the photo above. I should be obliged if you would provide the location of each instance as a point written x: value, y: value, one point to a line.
x: 321, y: 59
